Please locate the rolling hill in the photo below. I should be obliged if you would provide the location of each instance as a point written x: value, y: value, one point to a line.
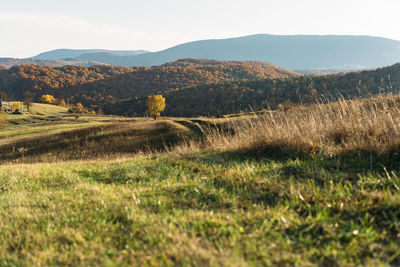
x: 10, y: 62
x: 313, y: 54
x: 237, y: 96
x: 65, y: 57
x: 288, y: 51
x: 38, y: 79
x: 98, y: 85
x: 60, y: 54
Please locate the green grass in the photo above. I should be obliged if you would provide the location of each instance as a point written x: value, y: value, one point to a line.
x: 38, y: 109
x: 87, y: 194
x: 27, y: 127
x: 199, y: 209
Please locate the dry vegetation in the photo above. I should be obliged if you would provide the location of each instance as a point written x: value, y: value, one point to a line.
x: 316, y: 185
x: 371, y: 125
x: 91, y: 140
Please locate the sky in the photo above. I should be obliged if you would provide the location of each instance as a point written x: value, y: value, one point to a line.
x: 28, y: 27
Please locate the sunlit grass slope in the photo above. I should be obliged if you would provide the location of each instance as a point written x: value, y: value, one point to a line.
x: 199, y: 209
x: 316, y: 185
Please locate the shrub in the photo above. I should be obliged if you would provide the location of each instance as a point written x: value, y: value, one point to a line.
x: 47, y: 99
x: 16, y: 106
x: 61, y: 103
x: 79, y: 108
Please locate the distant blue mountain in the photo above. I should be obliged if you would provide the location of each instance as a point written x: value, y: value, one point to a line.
x: 288, y: 51
x: 60, y: 54
x: 294, y: 52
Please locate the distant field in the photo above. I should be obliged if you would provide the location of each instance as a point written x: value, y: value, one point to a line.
x: 312, y: 185
x: 39, y: 109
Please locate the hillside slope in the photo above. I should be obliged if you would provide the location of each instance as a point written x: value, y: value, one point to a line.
x: 237, y: 96
x: 11, y: 62
x: 60, y: 54
x: 288, y: 51
x: 106, y: 84
x: 38, y: 79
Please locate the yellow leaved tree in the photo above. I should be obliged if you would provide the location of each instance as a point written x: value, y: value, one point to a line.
x: 155, y: 105
x: 16, y: 106
x: 47, y: 99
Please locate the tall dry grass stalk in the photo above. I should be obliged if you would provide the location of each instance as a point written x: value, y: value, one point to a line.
x: 3, y: 121
x: 363, y: 125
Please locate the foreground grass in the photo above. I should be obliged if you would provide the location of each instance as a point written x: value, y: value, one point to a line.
x: 200, y: 209
x: 315, y: 185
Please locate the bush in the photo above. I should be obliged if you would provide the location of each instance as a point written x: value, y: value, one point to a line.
x: 47, y: 99
x: 61, y: 103
x: 79, y: 108
x: 16, y: 106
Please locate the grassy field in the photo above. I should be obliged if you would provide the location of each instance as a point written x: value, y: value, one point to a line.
x: 309, y: 186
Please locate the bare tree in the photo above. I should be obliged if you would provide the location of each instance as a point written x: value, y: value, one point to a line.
x: 28, y: 99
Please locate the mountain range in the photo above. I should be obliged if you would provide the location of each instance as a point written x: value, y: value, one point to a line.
x: 60, y: 54
x: 302, y: 53
x: 64, y: 57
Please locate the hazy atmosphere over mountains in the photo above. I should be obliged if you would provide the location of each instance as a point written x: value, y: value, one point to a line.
x: 293, y: 52
x: 82, y: 53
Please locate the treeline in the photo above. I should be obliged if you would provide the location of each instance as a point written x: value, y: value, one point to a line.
x: 100, y: 85
x: 192, y: 87
x: 236, y: 96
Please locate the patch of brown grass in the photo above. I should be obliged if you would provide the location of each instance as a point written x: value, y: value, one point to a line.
x: 107, y: 141
x: 356, y: 125
x: 3, y: 120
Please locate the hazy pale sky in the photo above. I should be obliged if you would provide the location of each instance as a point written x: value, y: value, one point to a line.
x: 28, y: 27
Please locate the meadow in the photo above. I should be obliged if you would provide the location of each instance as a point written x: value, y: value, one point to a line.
x: 306, y: 185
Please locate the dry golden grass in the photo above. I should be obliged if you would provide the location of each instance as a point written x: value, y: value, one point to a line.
x: 217, y: 207
x: 3, y: 120
x: 358, y: 125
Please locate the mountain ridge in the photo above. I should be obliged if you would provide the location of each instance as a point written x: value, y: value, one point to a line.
x: 294, y: 52
x: 62, y: 53
x: 287, y: 51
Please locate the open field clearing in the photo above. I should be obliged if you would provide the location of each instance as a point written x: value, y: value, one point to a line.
x: 315, y: 185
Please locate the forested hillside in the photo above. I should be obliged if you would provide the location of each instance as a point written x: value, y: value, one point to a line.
x: 98, y: 85
x: 193, y: 87
x: 236, y: 96
x: 38, y: 79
